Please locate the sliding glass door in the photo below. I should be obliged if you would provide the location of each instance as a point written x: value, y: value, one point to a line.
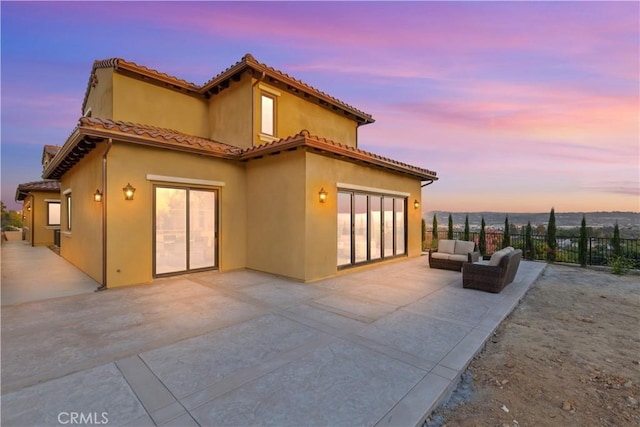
x: 370, y: 227
x: 185, y: 230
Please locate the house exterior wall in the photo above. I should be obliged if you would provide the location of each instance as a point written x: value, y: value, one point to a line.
x: 130, y: 222
x: 140, y: 102
x: 100, y: 98
x: 275, y: 214
x: 321, y: 218
x: 27, y: 219
x: 289, y: 231
x: 82, y: 245
x: 39, y: 233
x: 230, y: 114
x: 294, y: 113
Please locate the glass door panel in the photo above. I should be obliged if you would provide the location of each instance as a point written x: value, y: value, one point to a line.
x: 388, y: 226
x: 344, y: 228
x: 361, y: 227
x: 202, y: 229
x: 400, y: 235
x: 375, y: 245
x: 171, y: 230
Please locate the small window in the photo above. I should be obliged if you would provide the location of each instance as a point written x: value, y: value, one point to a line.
x: 68, y: 199
x: 53, y: 213
x: 268, y: 115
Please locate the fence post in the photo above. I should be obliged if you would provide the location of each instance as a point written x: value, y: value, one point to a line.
x: 590, y: 259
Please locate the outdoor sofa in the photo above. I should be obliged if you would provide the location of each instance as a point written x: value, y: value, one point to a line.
x: 494, y: 275
x: 451, y: 254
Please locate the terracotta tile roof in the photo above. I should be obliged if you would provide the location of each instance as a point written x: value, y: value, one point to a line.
x: 323, y: 145
x: 248, y: 62
x: 291, y: 84
x: 165, y: 137
x: 51, y: 150
x: 91, y: 130
x: 23, y: 190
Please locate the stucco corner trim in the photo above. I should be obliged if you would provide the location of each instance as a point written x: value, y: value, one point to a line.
x: 345, y: 186
x: 182, y: 180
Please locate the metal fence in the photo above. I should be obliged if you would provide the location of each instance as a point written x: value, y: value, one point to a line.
x: 600, y: 249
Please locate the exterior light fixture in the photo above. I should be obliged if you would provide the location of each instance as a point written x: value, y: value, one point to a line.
x: 97, y: 196
x: 416, y: 204
x: 322, y: 195
x: 128, y: 191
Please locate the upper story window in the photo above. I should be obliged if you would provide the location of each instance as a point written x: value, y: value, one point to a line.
x: 268, y: 113
x: 268, y: 109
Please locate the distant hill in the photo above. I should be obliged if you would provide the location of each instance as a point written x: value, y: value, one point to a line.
x: 625, y: 220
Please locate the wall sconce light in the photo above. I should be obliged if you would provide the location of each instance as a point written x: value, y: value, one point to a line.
x: 322, y: 195
x: 97, y: 196
x: 29, y: 208
x: 128, y: 191
x: 416, y: 204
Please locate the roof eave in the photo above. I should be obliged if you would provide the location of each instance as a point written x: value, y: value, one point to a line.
x: 249, y: 63
x: 350, y: 153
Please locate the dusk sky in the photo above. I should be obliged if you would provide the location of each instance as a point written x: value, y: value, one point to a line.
x: 519, y: 107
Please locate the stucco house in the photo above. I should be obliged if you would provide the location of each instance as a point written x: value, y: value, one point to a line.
x: 254, y: 169
x: 41, y: 206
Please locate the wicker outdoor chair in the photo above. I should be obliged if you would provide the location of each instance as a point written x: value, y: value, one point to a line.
x: 492, y: 278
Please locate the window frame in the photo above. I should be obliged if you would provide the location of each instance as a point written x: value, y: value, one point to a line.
x: 398, y: 206
x: 49, y: 204
x: 69, y: 205
x: 273, y: 99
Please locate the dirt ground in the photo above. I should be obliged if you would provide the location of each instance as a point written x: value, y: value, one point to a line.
x: 569, y: 355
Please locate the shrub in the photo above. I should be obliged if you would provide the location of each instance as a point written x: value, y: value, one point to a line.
x: 620, y: 265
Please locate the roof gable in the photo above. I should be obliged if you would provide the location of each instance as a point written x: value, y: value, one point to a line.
x: 222, y: 81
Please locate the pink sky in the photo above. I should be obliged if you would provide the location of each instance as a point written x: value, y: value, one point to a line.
x: 518, y: 106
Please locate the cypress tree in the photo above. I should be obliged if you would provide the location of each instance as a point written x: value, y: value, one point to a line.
x: 466, y: 228
x: 424, y: 232
x: 529, y: 251
x: 482, y: 241
x: 450, y: 230
x: 506, y: 237
x: 552, y: 244
x: 617, y: 248
x: 434, y: 231
x: 582, y: 243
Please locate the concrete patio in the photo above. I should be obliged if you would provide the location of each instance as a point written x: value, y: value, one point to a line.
x: 376, y: 347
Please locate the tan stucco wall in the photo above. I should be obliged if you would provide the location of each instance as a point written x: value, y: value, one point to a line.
x: 230, y: 114
x: 82, y: 245
x: 275, y: 214
x: 290, y: 232
x: 40, y: 234
x: 27, y: 219
x: 294, y: 114
x: 130, y: 226
x: 100, y: 98
x: 320, y: 228
x: 140, y: 102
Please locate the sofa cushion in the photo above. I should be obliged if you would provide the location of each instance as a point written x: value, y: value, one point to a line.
x: 440, y: 255
x: 457, y: 257
x: 463, y: 248
x: 496, y: 257
x: 510, y: 249
x: 446, y: 246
